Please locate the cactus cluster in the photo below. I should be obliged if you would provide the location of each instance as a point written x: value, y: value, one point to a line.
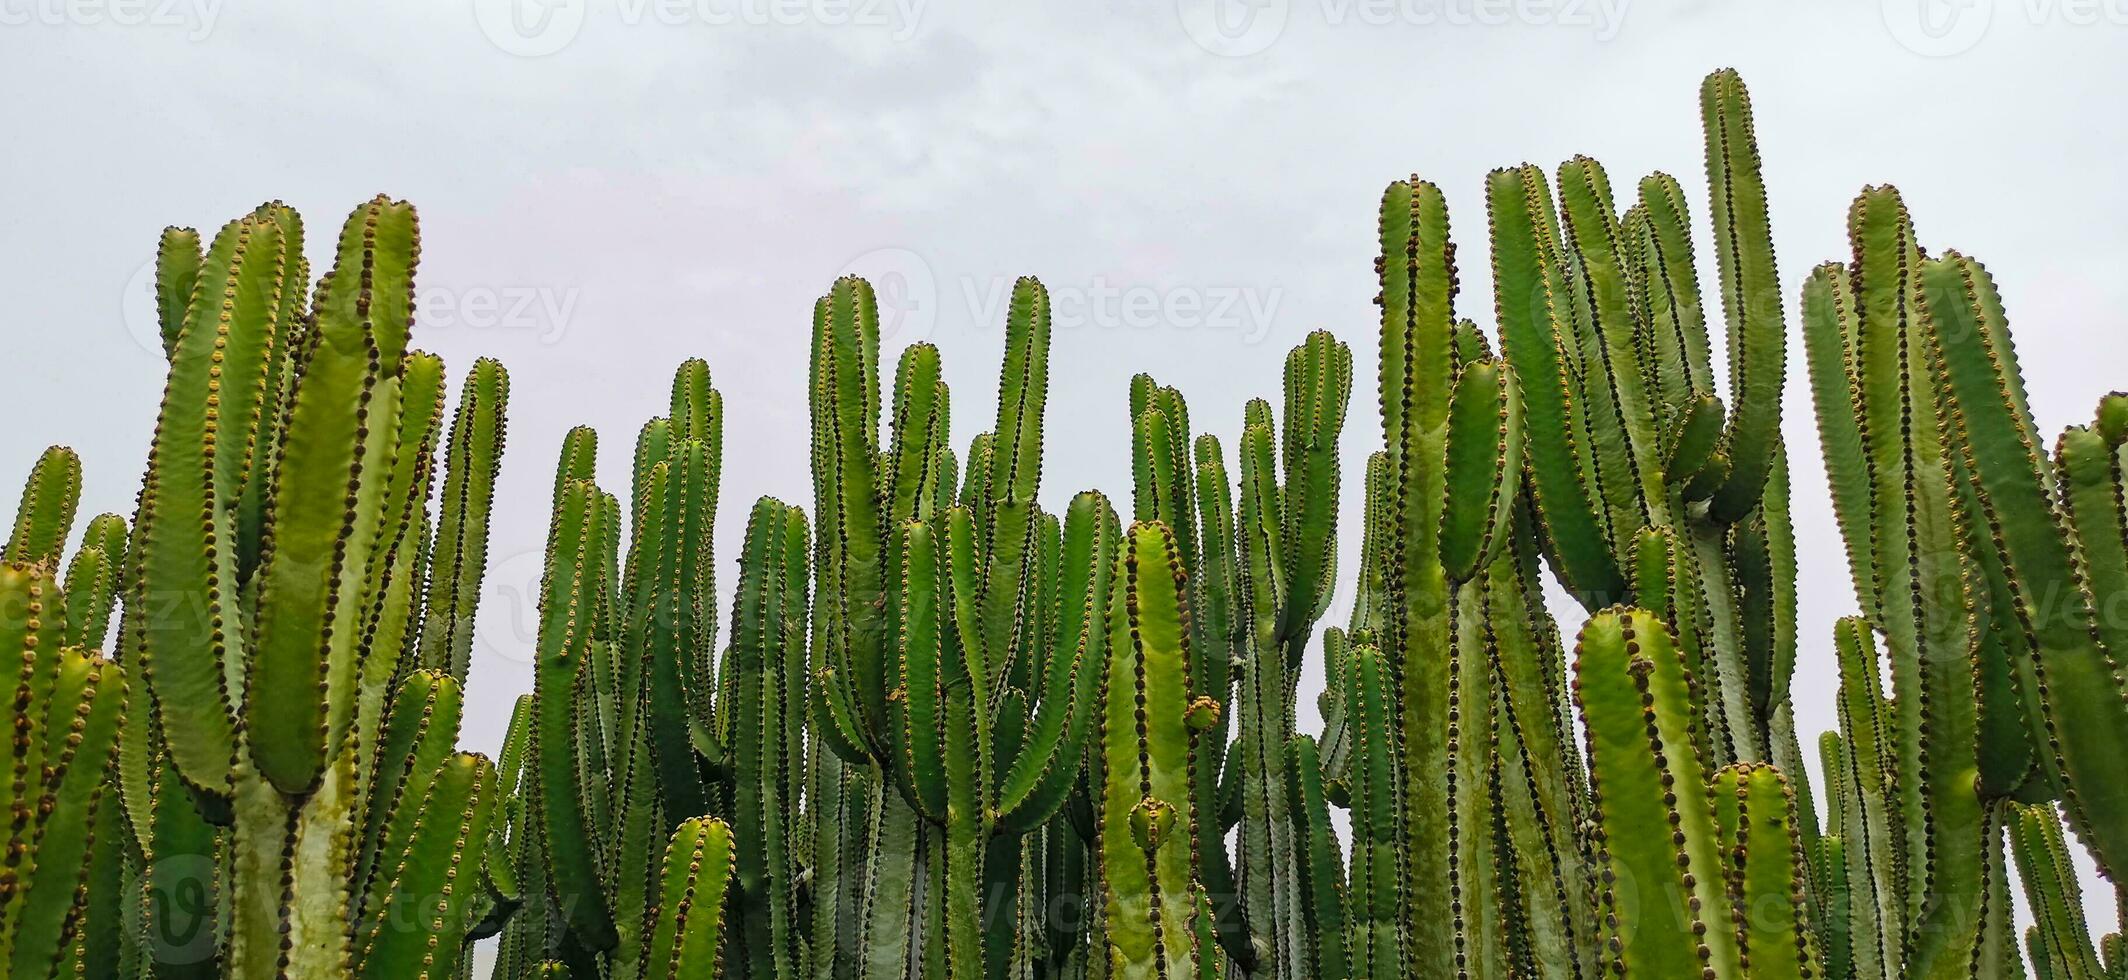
x: 947, y: 733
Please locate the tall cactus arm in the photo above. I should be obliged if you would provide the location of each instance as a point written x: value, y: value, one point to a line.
x: 697, y: 409
x: 1831, y: 895
x: 1318, y: 385
x: 1484, y: 463
x: 1615, y: 388
x: 2052, y: 893
x: 69, y: 730
x: 1418, y: 284
x: 1015, y: 464
x: 565, y: 612
x: 2080, y: 677
x: 922, y: 415
x: 1756, y: 815
x: 1376, y: 884
x: 1525, y: 273
x: 92, y: 583
x: 418, y: 930
x: 1041, y: 775
x: 767, y: 637
x: 1148, y: 830
x: 921, y: 675
x: 324, y: 514
x: 418, y: 735
x: 1751, y: 291
x: 177, y: 270
x: 189, y: 567
x: 846, y: 408
x: 1323, y: 877
x: 1674, y: 320
x: 680, y: 634
x: 693, y: 888
x: 1660, y: 887
x: 46, y: 515
x: 458, y: 559
x: 1829, y: 325
x: 1923, y: 589
x: 1862, y: 772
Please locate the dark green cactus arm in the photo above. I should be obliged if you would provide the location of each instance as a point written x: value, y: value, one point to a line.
x: 46, y: 515
x: 1268, y: 857
x: 1829, y: 326
x: 846, y: 416
x: 2079, y: 676
x: 1376, y: 883
x: 1694, y: 443
x: 1636, y: 707
x: 1540, y: 793
x: 1015, y: 464
x: 196, y: 472
x: 92, y: 582
x: 689, y: 924
x: 1369, y: 606
x: 565, y: 613
x: 1148, y: 829
x: 1484, y: 464
x: 917, y: 702
x: 177, y: 271
x: 680, y: 633
x: 1525, y: 273
x: 1862, y: 771
x: 65, y: 736
x: 697, y: 407
x: 419, y: 733
x: 418, y: 928
x: 922, y: 407
x: 1323, y: 885
x: 1751, y: 292
x: 2052, y: 893
x: 1923, y: 591
x: 459, y: 557
x: 1417, y: 273
x: 767, y: 639
x: 1765, y: 872
x: 1042, y: 773
x: 324, y: 513
x: 1615, y: 389
x: 1318, y: 387
x: 1674, y: 321
x: 1831, y: 896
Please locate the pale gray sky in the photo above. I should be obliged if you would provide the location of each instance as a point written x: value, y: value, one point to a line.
x: 607, y: 188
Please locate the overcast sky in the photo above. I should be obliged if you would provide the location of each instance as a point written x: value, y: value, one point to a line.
x: 609, y: 188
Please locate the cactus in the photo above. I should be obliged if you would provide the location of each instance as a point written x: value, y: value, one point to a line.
x: 950, y: 733
x: 67, y: 703
x: 289, y: 800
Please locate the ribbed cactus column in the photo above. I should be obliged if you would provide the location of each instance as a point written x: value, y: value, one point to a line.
x: 1657, y: 842
x: 283, y: 787
x: 1156, y: 918
x: 1869, y: 350
x: 66, y: 701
